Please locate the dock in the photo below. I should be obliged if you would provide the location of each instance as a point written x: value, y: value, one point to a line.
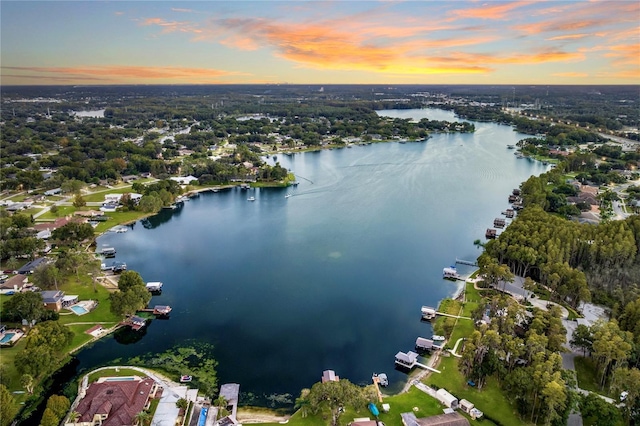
x: 410, y: 359
x: 376, y: 383
x: 466, y: 262
x: 490, y: 234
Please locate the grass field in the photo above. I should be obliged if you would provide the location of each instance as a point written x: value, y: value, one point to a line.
x: 490, y: 399
x: 586, y: 372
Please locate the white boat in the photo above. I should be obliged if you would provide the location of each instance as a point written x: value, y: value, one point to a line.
x: 251, y: 199
x: 450, y: 273
x: 185, y: 379
x: 437, y: 338
x: 287, y: 196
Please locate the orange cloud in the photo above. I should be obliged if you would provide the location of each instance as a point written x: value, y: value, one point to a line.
x: 491, y: 11
x: 128, y: 72
x: 568, y: 37
x: 571, y: 74
x: 172, y: 26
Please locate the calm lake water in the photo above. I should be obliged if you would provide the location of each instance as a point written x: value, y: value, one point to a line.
x: 332, y: 277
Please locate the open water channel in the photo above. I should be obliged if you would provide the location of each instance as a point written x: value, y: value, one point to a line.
x: 332, y: 277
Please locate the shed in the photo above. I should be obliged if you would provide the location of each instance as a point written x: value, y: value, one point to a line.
x: 424, y: 344
x: 466, y: 406
x: 406, y: 359
x: 446, y: 398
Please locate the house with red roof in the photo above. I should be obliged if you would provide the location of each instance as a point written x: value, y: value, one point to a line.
x: 114, y: 401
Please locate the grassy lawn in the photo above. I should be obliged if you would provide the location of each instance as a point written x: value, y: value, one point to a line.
x: 7, y: 357
x: 490, y: 399
x: 112, y: 372
x: 62, y: 212
x: 405, y: 403
x: 587, y: 375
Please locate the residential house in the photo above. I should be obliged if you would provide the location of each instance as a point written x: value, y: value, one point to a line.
x: 31, y: 266
x: 54, y: 300
x: 114, y: 402
x: 185, y: 180
x: 15, y: 283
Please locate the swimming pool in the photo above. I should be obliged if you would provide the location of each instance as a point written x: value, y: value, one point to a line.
x: 7, y: 338
x: 203, y: 416
x: 78, y: 309
x: 118, y: 379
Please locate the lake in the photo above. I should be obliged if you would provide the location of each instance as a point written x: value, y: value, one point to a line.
x: 332, y: 277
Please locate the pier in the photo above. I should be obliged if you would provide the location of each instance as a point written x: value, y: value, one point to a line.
x: 410, y: 360
x: 466, y: 262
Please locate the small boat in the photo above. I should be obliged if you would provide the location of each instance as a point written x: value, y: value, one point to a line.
x: 382, y: 379
x: 287, y: 196
x: 251, y: 199
x: 437, y: 338
x: 185, y: 379
x: 511, y: 146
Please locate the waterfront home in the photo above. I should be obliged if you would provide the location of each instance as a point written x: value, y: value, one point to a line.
x: 329, y: 376
x: 184, y: 180
x: 50, y: 226
x: 54, y: 300
x: 135, y: 322
x: 15, y: 283
x: 231, y: 392
x: 424, y: 344
x: 407, y: 360
x: 114, y: 401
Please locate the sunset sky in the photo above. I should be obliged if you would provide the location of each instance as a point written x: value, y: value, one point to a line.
x: 328, y: 42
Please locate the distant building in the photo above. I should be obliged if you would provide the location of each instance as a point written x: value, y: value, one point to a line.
x: 329, y: 376
x: 184, y: 180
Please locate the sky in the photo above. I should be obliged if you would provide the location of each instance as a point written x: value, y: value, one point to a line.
x: 319, y: 42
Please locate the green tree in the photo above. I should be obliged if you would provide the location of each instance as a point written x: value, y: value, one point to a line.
x: 130, y: 279
x: 182, y: 404
x: 49, y: 418
x: 26, y: 381
x: 126, y: 303
x: 611, y: 346
x: 582, y: 338
x: 79, y: 201
x: 628, y: 380
x: 221, y: 403
x: 24, y: 306
x: 302, y: 403
x: 72, y: 233
x: 8, y: 406
x: 59, y: 404
x: 143, y: 418
x: 46, y: 276
x: 336, y: 395
x: 597, y: 411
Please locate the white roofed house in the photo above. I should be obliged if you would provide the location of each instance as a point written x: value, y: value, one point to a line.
x: 185, y: 180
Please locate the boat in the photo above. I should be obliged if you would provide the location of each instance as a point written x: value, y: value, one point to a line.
x: 287, y: 196
x: 108, y: 252
x: 185, y: 379
x: 154, y: 286
x: 437, y: 338
x: 251, y: 199
x: 428, y: 312
x: 511, y: 146
x: 450, y: 273
x: 381, y: 378
x: 373, y: 409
